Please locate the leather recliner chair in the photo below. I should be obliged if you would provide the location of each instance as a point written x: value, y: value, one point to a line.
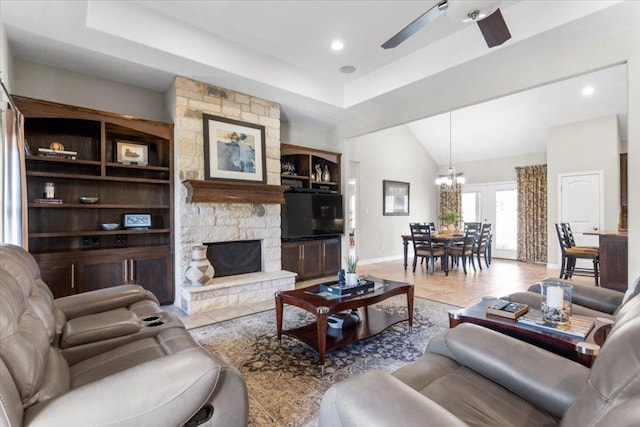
x: 586, y: 300
x: 473, y: 376
x: 161, y: 378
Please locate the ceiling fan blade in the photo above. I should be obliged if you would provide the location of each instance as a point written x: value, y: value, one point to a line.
x: 420, y: 22
x: 494, y: 29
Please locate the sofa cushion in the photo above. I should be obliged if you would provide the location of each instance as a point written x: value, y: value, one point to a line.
x: 477, y: 402
x: 169, y: 341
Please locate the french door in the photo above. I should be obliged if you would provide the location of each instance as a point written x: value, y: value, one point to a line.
x: 496, y: 204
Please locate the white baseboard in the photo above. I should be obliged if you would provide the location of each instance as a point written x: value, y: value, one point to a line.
x: 384, y: 259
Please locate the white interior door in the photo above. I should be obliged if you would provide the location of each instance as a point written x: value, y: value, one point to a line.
x: 581, y: 195
x: 496, y: 204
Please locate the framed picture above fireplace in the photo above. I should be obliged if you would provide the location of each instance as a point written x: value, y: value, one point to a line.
x: 233, y: 150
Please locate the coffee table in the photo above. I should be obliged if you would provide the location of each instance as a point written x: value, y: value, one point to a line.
x: 320, y: 337
x: 583, y: 351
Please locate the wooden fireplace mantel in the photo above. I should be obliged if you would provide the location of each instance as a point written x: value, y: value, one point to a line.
x: 233, y: 192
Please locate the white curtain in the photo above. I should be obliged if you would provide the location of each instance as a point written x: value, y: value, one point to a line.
x: 14, y: 183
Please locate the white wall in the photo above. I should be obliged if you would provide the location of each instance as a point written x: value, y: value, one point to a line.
x: 55, y: 84
x: 585, y: 146
x: 308, y: 135
x: 496, y: 170
x: 6, y: 60
x: 396, y: 155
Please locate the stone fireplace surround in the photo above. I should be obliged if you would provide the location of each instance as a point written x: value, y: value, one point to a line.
x: 217, y: 222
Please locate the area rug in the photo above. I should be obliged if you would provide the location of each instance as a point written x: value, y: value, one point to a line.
x: 284, y: 382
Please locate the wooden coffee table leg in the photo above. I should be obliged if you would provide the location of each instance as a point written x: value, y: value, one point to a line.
x: 321, y: 321
x: 410, y: 307
x: 279, y: 317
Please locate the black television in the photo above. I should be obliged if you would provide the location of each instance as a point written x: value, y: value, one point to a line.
x: 311, y: 214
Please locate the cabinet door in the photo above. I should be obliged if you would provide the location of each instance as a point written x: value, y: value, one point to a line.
x: 58, y: 273
x: 291, y: 255
x: 154, y: 272
x: 311, y: 259
x: 331, y: 256
x: 101, y: 271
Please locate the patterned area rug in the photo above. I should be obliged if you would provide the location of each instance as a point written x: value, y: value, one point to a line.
x: 285, y: 386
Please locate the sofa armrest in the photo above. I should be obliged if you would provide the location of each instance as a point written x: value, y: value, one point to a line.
x: 102, y: 300
x: 376, y: 398
x: 542, y: 378
x: 599, y: 299
x: 138, y: 396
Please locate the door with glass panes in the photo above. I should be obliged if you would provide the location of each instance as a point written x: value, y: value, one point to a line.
x: 496, y: 204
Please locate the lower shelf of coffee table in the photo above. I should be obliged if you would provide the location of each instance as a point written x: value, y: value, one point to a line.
x: 372, y: 322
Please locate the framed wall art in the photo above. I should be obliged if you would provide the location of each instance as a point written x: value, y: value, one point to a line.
x: 131, y: 153
x: 395, y: 198
x: 233, y: 150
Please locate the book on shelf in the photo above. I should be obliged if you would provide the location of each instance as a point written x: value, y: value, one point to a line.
x: 508, y: 309
x: 578, y: 326
x: 60, y: 154
x: 48, y: 201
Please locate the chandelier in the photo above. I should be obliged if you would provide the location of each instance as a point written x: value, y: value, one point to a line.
x: 452, y: 180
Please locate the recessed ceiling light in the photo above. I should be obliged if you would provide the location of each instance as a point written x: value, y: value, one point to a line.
x: 347, y: 69
x: 588, y: 90
x: 337, y: 45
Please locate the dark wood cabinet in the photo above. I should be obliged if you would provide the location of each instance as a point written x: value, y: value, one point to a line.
x: 300, y: 164
x: 59, y: 273
x: 312, y: 258
x: 99, y: 272
x: 319, y: 256
x: 127, y: 164
x: 614, y: 255
x: 331, y: 258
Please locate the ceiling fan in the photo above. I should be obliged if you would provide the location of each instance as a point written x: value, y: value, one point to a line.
x: 485, y: 12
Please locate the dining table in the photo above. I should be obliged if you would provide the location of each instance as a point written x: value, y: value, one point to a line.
x: 446, y: 239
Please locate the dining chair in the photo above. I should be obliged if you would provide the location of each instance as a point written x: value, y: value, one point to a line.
x: 464, y: 250
x: 571, y: 253
x: 482, y: 245
x: 423, y: 247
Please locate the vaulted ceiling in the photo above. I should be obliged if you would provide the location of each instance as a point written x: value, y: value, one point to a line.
x: 280, y: 50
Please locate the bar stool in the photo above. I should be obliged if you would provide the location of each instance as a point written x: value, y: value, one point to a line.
x: 571, y: 253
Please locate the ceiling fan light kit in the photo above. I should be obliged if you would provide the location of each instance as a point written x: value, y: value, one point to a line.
x: 484, y: 12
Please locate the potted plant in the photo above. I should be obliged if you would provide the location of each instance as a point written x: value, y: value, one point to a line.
x: 351, y: 276
x: 450, y: 219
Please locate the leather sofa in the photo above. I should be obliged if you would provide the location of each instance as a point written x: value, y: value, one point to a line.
x: 108, y: 357
x: 473, y: 376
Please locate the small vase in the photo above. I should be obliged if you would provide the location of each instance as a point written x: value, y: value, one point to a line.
x: 200, y: 271
x: 351, y: 279
x: 318, y: 174
x: 326, y: 176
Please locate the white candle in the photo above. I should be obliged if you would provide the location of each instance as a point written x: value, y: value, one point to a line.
x: 555, y: 297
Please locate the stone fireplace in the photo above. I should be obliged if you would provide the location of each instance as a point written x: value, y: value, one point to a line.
x: 203, y: 222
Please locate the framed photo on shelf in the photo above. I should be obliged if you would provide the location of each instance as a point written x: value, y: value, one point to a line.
x: 233, y: 150
x: 395, y: 198
x: 132, y: 153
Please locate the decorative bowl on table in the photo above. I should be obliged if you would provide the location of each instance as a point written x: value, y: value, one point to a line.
x: 110, y: 226
x: 89, y: 200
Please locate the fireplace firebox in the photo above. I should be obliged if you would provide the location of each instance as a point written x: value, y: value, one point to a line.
x: 235, y: 257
